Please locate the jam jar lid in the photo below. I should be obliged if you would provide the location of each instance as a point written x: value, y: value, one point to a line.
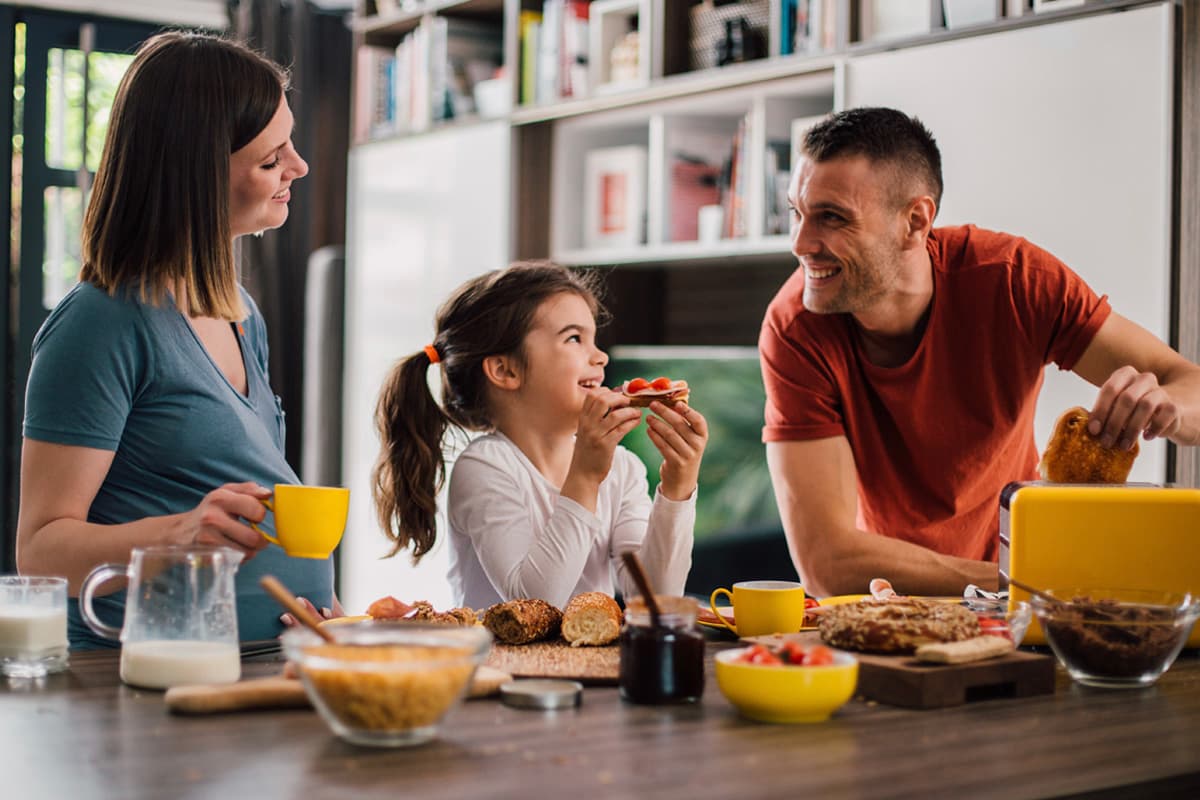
x: 545, y: 695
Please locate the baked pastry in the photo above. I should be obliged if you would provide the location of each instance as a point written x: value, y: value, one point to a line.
x: 642, y: 392
x: 391, y: 609
x: 591, y: 618
x: 897, y: 625
x: 1075, y: 456
x: 523, y: 621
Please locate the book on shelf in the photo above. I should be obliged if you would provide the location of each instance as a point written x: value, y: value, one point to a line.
x: 530, y: 29
x: 462, y: 53
x: 374, y: 109
x: 777, y: 165
x: 562, y: 46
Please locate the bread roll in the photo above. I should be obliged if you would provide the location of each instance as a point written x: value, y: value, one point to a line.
x: 591, y: 618
x: 522, y: 621
x: 1075, y: 456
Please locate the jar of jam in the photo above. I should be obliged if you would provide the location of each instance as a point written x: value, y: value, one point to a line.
x: 663, y: 664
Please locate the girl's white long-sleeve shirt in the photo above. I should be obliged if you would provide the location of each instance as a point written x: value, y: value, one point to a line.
x: 512, y: 534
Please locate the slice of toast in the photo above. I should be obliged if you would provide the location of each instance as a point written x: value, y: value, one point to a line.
x: 1075, y: 456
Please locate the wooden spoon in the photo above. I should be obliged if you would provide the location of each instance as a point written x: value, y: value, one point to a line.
x: 634, y: 565
x: 293, y: 606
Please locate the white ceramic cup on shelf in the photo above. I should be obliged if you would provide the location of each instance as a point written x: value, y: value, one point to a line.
x: 709, y: 222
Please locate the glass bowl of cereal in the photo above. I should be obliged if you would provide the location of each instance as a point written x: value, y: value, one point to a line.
x: 1116, y: 638
x: 386, y: 684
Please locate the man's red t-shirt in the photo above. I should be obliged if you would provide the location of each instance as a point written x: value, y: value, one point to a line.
x: 937, y: 438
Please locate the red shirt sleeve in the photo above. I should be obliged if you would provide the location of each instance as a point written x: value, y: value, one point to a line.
x: 1058, y: 312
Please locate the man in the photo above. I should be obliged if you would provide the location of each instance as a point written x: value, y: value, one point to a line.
x: 902, y: 365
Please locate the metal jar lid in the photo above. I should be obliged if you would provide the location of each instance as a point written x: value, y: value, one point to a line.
x: 544, y: 695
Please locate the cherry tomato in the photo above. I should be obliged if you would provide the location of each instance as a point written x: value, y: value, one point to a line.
x: 759, y: 654
x: 660, y: 384
x: 818, y: 656
x: 792, y: 653
x: 636, y: 385
x: 811, y: 602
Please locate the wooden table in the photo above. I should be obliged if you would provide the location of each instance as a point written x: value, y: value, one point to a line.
x: 83, y: 734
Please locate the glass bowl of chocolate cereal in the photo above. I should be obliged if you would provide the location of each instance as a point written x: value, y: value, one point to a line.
x: 1116, y: 638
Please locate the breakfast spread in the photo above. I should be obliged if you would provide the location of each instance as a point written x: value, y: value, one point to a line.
x: 591, y: 618
x: 790, y: 653
x: 1074, y: 455
x: 642, y: 392
x: 896, y: 625
x: 964, y: 651
x: 1111, y: 638
x: 391, y: 609
x: 390, y: 698
x: 523, y: 621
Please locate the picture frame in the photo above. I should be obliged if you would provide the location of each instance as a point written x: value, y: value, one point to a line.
x: 614, y: 205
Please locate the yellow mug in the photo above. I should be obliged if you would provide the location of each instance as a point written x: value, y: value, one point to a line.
x: 309, y: 520
x: 762, y: 607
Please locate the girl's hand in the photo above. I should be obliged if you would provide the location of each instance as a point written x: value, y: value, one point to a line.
x: 219, y: 519
x: 605, y: 419
x: 680, y: 434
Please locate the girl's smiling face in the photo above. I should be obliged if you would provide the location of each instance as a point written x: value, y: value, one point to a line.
x: 560, y: 360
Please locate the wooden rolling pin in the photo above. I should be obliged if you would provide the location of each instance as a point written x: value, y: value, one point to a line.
x: 281, y: 692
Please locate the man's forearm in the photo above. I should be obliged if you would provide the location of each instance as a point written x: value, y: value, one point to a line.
x: 848, y: 568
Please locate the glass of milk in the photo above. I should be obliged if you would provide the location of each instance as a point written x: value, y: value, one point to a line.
x: 33, y: 626
x: 180, y: 615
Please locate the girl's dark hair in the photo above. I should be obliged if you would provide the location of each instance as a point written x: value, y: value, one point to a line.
x: 159, y: 209
x: 486, y: 316
x: 883, y: 135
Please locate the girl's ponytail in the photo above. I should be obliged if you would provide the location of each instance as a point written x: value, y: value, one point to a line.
x: 411, y: 468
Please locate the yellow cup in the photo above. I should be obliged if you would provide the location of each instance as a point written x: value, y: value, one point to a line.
x: 309, y: 520
x: 762, y: 607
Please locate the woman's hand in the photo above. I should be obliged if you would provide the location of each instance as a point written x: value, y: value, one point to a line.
x: 680, y: 434
x: 219, y: 519
x: 324, y: 613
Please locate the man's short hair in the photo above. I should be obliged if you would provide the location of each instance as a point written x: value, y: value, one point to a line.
x: 883, y: 135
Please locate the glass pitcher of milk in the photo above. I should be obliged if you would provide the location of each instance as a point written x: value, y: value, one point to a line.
x: 180, y: 615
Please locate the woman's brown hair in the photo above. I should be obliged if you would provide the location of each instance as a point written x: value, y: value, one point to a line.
x: 158, y: 217
x: 486, y: 316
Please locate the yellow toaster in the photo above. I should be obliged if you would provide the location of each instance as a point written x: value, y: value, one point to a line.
x: 1131, y: 536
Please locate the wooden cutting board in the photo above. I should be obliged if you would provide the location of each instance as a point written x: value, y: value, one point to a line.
x: 589, y: 665
x: 901, y: 680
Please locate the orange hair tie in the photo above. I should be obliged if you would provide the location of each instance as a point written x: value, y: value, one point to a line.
x: 432, y: 352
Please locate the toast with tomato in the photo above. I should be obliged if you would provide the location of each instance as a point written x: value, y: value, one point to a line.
x: 642, y: 392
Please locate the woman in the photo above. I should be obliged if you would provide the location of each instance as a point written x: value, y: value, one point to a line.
x: 149, y: 416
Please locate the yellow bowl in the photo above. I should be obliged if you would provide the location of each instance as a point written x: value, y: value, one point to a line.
x: 786, y: 693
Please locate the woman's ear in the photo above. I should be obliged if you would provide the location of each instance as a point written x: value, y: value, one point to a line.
x: 502, y: 372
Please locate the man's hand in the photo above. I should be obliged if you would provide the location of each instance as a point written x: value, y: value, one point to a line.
x: 1132, y: 403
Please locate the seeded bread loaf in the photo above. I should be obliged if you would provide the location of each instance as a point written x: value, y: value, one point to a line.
x: 522, y: 621
x: 591, y: 618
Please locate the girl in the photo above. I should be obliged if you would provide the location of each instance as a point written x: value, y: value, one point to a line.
x: 545, y: 503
